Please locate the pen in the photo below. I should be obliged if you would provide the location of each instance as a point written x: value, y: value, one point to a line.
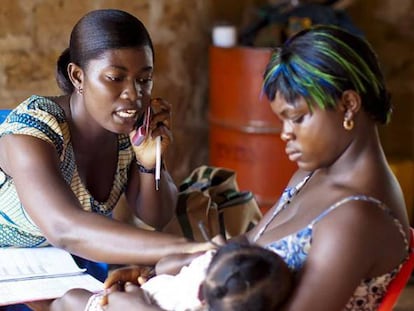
x: 157, y: 162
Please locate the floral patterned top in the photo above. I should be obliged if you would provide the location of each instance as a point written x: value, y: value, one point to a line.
x: 295, y: 248
x: 44, y: 119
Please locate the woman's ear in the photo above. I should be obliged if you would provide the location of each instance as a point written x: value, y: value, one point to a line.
x: 75, y: 74
x: 350, y: 103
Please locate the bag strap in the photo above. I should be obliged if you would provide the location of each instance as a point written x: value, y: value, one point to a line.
x: 182, y: 217
x: 231, y: 198
x: 199, y: 179
x: 207, y: 172
x: 205, y: 177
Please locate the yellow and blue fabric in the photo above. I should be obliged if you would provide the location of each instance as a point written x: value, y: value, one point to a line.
x: 42, y: 118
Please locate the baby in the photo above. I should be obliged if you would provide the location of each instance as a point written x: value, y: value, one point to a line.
x: 234, y: 277
x: 246, y: 277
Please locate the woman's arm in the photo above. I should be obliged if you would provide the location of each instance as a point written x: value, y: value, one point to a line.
x: 154, y: 207
x: 53, y: 207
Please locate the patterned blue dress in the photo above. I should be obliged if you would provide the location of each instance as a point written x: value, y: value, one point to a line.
x: 294, y: 249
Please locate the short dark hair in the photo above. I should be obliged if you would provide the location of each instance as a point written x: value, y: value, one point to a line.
x: 322, y: 62
x: 95, y: 33
x: 246, y: 277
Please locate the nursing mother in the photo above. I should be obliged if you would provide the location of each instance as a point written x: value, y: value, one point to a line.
x: 341, y: 224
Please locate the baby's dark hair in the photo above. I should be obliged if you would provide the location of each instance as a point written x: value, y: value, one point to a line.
x: 246, y: 277
x: 94, y: 34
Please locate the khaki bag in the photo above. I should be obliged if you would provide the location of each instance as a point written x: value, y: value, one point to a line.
x: 210, y: 195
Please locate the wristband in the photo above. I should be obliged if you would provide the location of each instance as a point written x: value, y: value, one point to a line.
x: 145, y: 170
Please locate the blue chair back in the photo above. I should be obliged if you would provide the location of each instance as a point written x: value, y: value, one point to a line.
x: 3, y: 114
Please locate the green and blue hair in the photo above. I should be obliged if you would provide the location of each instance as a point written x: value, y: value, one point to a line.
x: 322, y: 62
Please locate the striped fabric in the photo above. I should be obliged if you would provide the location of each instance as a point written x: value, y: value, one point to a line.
x: 42, y: 118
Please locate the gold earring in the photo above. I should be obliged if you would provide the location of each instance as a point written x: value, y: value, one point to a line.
x: 348, y: 124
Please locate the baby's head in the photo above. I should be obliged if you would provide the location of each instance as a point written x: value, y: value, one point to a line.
x: 246, y: 277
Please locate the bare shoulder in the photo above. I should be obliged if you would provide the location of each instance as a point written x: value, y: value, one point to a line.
x: 23, y: 151
x: 378, y: 188
x: 366, y: 229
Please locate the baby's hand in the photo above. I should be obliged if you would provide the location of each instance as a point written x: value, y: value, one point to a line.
x: 133, y: 274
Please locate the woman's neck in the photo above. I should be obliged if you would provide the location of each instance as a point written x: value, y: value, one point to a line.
x: 83, y: 127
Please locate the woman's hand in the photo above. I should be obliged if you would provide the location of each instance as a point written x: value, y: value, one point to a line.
x: 160, y: 123
x: 172, y: 264
x: 132, y: 274
x: 218, y: 240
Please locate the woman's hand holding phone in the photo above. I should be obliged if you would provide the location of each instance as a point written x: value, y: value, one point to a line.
x: 156, y: 122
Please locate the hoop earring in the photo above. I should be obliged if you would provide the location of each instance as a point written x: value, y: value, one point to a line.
x: 348, y: 124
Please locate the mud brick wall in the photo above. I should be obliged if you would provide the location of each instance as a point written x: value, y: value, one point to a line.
x: 34, y: 33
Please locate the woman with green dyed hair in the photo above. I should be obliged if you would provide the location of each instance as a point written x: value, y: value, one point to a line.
x: 341, y: 224
x: 320, y: 64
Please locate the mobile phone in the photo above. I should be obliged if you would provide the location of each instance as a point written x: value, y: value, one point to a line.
x: 143, y: 130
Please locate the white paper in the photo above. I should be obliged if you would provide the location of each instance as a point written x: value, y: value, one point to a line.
x: 47, y: 288
x: 28, y: 274
x: 23, y: 263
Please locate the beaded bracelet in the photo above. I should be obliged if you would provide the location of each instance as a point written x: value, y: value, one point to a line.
x: 145, y: 170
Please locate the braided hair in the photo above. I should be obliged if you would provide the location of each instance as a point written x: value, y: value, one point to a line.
x: 246, y: 277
